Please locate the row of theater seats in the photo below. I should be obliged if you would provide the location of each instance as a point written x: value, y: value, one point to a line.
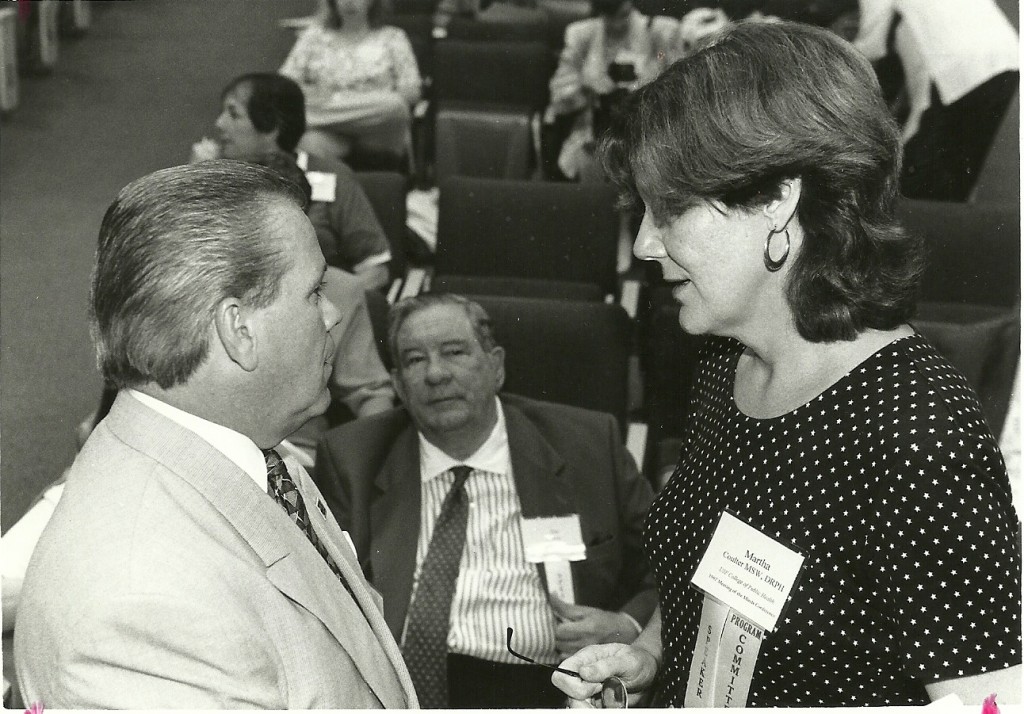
x: 485, y: 89
x: 541, y: 258
x: 30, y: 32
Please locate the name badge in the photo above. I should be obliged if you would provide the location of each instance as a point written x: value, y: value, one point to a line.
x: 748, y: 571
x: 555, y: 542
x: 746, y: 577
x: 324, y: 185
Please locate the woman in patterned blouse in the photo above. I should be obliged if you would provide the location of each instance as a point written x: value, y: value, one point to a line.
x: 767, y: 165
x: 359, y: 77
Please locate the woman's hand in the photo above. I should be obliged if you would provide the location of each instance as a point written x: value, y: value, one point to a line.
x: 635, y: 666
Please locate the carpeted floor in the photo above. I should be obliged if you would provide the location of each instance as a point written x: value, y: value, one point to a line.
x: 127, y: 98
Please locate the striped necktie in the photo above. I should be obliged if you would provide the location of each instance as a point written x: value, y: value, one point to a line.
x: 425, y: 647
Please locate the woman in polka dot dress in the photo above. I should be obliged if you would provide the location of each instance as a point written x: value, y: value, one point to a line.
x: 767, y: 166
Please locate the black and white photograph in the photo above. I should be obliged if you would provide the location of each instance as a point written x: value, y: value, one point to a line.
x: 510, y: 354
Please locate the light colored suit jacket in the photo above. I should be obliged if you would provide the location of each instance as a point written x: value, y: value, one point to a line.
x: 167, y: 579
x: 650, y: 42
x: 564, y: 460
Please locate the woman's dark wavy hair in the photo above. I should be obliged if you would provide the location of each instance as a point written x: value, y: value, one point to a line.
x: 761, y: 103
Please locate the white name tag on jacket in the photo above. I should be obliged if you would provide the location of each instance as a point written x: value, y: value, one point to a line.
x: 555, y: 542
x: 324, y: 185
x: 748, y: 571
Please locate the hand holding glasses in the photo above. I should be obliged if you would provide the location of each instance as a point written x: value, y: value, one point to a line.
x: 613, y: 689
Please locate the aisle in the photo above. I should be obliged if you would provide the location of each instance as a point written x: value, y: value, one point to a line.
x: 126, y: 99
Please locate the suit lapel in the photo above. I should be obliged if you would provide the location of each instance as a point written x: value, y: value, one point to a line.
x: 293, y: 566
x: 538, y: 470
x: 539, y: 473
x: 376, y: 675
x: 395, y: 513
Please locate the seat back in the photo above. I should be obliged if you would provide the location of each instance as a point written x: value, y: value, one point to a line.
x: 418, y: 28
x: 516, y: 287
x: 570, y: 352
x: 386, y: 191
x: 377, y: 306
x: 503, y: 73
x: 463, y: 28
x: 528, y: 229
x: 414, y: 7
x: 973, y: 251
x: 482, y: 143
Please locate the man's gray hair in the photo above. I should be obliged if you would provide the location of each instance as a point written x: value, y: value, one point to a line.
x: 172, y: 245
x: 404, y: 309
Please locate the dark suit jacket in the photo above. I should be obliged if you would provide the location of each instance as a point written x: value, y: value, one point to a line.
x: 564, y: 459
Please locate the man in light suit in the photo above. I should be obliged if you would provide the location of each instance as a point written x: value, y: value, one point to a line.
x: 386, y: 478
x: 168, y: 576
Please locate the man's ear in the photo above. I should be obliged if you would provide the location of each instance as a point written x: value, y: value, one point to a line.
x: 234, y: 322
x: 498, y: 358
x: 780, y: 211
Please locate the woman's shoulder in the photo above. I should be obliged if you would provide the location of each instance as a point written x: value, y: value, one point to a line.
x: 919, y: 385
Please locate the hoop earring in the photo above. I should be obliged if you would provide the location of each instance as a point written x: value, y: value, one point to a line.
x: 770, y: 263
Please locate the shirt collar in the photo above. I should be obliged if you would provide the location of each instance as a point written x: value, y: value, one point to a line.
x: 240, y: 449
x: 492, y: 456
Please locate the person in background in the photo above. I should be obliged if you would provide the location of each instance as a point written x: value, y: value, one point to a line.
x: 263, y: 113
x: 961, y: 67
x: 522, y: 463
x: 822, y: 427
x: 360, y: 80
x: 187, y: 564
x: 603, y: 59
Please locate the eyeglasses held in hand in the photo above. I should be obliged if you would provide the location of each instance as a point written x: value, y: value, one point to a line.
x: 613, y: 689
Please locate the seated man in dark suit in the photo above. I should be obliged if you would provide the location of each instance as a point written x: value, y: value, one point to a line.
x: 453, y: 574
x: 264, y: 112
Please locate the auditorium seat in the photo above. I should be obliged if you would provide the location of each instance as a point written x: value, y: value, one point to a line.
x: 464, y: 28
x: 528, y: 229
x: 516, y: 287
x: 565, y: 351
x: 386, y: 191
x: 487, y: 98
x: 973, y: 255
x: 986, y: 353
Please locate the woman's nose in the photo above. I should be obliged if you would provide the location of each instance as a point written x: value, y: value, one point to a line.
x: 648, y: 245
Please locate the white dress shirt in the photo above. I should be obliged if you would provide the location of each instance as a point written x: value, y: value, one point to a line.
x: 957, y: 44
x: 239, y: 448
x: 496, y: 588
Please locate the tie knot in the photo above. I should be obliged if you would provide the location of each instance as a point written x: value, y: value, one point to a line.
x: 461, y: 472
x: 277, y: 472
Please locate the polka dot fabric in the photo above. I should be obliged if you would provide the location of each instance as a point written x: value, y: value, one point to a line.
x: 892, y: 486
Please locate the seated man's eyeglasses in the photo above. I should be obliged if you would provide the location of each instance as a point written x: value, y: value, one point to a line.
x: 613, y: 689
